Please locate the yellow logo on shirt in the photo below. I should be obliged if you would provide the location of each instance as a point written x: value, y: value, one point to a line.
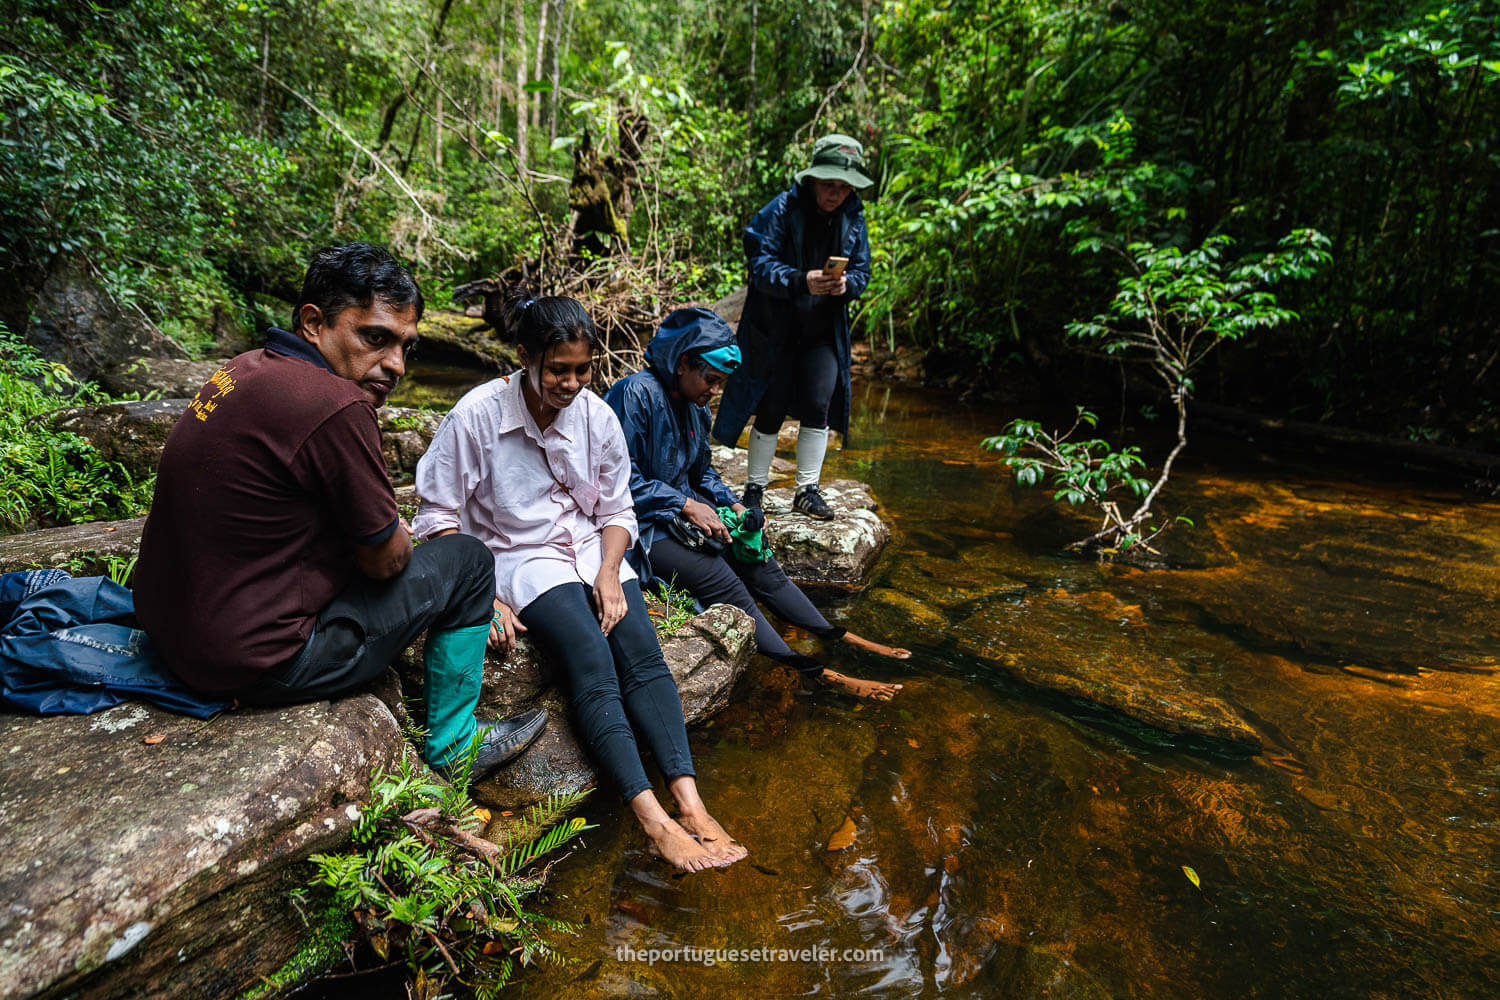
x: 223, y: 383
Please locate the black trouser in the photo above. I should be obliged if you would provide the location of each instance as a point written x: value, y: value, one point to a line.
x: 449, y: 583
x: 801, y: 383
x: 722, y: 579
x: 617, y: 682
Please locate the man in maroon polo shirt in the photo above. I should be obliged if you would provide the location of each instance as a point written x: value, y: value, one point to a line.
x: 275, y: 566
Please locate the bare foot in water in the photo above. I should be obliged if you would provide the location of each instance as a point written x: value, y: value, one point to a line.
x: 707, y: 831
x: 875, y: 690
x: 860, y: 642
x: 680, y: 848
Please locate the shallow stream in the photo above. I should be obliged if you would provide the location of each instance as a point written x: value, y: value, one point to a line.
x: 1013, y: 842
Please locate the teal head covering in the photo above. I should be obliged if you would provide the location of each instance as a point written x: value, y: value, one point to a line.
x: 725, y: 359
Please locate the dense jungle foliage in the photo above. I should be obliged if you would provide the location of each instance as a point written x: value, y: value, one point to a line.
x: 195, y: 152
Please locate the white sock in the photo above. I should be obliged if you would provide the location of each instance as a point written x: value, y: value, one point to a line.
x: 762, y: 450
x: 812, y: 445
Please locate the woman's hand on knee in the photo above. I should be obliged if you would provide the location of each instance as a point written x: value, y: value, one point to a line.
x: 504, y: 624
x: 609, y: 599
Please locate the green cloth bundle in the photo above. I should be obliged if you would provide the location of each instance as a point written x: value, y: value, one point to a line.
x: 746, y: 546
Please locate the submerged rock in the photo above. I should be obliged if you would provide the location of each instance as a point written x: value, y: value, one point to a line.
x: 1087, y: 644
x: 150, y: 854
x: 706, y: 656
x: 78, y: 323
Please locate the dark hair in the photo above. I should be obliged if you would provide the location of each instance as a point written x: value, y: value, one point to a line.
x: 538, y: 325
x: 355, y: 274
x: 696, y: 361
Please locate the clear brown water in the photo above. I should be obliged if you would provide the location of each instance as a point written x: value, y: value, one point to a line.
x: 1015, y: 843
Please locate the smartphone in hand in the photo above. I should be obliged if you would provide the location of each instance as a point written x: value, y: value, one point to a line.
x: 834, y: 266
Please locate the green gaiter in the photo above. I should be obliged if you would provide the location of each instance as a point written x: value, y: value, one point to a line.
x: 454, y: 661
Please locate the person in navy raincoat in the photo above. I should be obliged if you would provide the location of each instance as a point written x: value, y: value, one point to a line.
x: 794, y: 332
x: 663, y: 410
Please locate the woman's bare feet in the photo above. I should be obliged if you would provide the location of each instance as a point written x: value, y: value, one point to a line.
x: 680, y: 848
x: 695, y: 843
x: 860, y: 688
x: 860, y: 642
x: 707, y: 831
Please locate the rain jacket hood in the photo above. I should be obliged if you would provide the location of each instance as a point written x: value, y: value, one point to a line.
x: 668, y: 438
x: 684, y: 331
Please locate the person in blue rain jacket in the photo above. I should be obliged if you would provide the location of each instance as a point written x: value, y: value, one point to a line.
x: 664, y: 413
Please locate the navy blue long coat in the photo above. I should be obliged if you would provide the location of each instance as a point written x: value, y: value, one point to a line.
x: 777, y: 291
x: 667, y: 438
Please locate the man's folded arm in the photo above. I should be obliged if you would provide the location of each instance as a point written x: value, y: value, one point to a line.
x: 381, y: 560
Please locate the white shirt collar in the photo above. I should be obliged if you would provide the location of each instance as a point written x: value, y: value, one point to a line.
x: 514, y: 414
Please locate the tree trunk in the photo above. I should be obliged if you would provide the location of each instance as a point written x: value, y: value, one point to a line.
x: 754, y: 35
x: 552, y: 99
x: 437, y: 119
x: 265, y: 69
x: 518, y: 11
x: 394, y: 108
x: 499, y: 68
x: 536, y: 72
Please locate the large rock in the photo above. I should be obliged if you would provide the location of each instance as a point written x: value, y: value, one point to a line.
x: 167, y: 378
x: 404, y: 437
x: 144, y: 853
x: 786, y: 437
x: 82, y: 549
x: 86, y: 549
x: 452, y: 336
x: 78, y: 323
x: 130, y: 433
x: 706, y: 656
x: 731, y: 464
x: 133, y: 433
x: 842, y: 551
x: 731, y: 306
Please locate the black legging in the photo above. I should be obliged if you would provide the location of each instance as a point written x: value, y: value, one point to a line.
x: 802, y: 383
x: 722, y: 579
x: 616, y: 683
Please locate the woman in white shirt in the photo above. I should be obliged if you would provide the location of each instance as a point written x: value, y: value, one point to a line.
x: 536, y: 467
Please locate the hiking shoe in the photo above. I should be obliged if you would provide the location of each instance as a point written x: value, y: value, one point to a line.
x: 503, y: 741
x: 753, y: 495
x: 810, y: 502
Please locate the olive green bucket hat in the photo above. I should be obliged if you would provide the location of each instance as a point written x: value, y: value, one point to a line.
x: 837, y: 158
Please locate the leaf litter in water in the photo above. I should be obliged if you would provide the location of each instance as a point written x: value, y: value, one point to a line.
x: 1192, y: 876
x: 844, y: 837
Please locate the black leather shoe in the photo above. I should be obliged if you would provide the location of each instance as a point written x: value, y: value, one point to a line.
x: 503, y: 741
x: 753, y: 494
x: 810, y: 502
